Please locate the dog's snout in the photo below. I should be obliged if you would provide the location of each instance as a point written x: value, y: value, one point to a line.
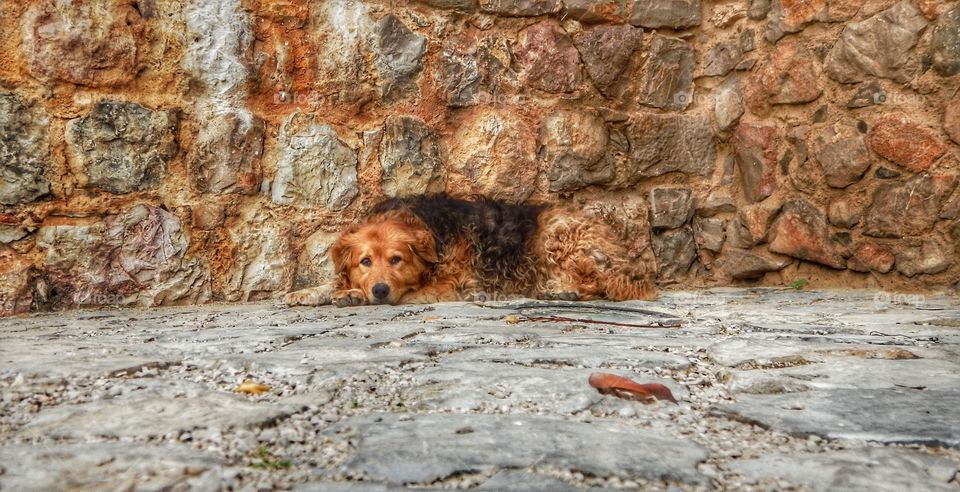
x: 381, y: 291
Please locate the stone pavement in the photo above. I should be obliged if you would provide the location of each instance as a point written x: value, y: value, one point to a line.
x: 777, y: 389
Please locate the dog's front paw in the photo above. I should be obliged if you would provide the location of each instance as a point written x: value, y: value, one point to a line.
x: 315, y: 296
x: 346, y: 298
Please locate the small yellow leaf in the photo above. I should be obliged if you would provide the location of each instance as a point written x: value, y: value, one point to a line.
x: 511, y: 319
x: 251, y: 387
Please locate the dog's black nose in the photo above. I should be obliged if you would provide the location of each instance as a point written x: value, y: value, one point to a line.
x: 381, y: 291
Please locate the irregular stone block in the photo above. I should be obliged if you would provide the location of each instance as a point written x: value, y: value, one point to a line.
x: 24, y: 151
x: 871, y: 256
x: 520, y: 8
x: 225, y: 157
x: 721, y: 59
x: 951, y: 119
x: 843, y: 213
x: 670, y: 207
x: 410, y: 157
x: 717, y: 202
x: 906, y: 143
x: 663, y: 143
x: 315, y: 169
x: 668, y: 74
x: 801, y: 231
x: 909, y: 208
x: 676, y: 251
x: 728, y: 106
x: 478, y: 73
x: 608, y: 53
x: 493, y: 155
x: 759, y: 9
x: 879, y: 46
x: 708, y: 233
x: 122, y: 146
x: 791, y: 16
x: 574, y: 146
x: 84, y: 43
x: 755, y: 220
x: 740, y: 264
x: 945, y: 43
x: 930, y: 257
x: 842, y: 153
x: 398, y: 54
x: 314, y: 266
x: 219, y: 57
x: 595, y: 11
x: 756, y: 154
x: 260, y: 264
x: 547, y: 58
x: 790, y: 76
x: 674, y: 14
x: 869, y: 94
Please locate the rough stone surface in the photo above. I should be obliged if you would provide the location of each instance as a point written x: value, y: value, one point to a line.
x: 801, y: 231
x: 756, y: 154
x: 930, y: 257
x: 399, y: 54
x: 728, y: 107
x: 951, y: 119
x: 789, y: 16
x: 905, y: 143
x: 945, y: 43
x: 668, y: 13
x: 843, y: 212
x: 261, y: 263
x: 660, y: 144
x: 24, y: 151
x: 721, y: 59
x: 85, y: 43
x: 668, y: 74
x: 16, y: 286
x: 592, y: 11
x: 717, y: 202
x: 547, y: 58
x: 494, y: 155
x: 878, y: 46
x: 871, y: 256
x: 790, y: 76
x: 843, y: 155
x: 709, y: 233
x: 676, y: 251
x: 477, y: 73
x: 226, y: 156
x: 315, y: 168
x: 520, y: 8
x: 745, y: 265
x: 123, y: 147
x: 607, y: 53
x: 380, y: 398
x: 574, y: 146
x: 411, y: 157
x: 670, y: 207
x: 909, y: 208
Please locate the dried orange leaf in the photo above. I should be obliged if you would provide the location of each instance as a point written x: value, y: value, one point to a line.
x: 251, y: 387
x: 511, y: 319
x: 621, y: 387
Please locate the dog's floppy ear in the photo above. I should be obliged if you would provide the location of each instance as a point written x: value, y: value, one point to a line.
x: 341, y: 254
x: 425, y: 246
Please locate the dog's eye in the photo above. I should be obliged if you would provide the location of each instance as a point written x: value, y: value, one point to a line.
x: 395, y: 260
x: 366, y: 262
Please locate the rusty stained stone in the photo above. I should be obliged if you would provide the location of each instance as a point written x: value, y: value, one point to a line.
x: 547, y: 58
x: 789, y: 76
x: 756, y: 154
x: 909, y: 208
x: 801, y: 231
x: 493, y: 154
x: 84, y: 43
x: 755, y: 220
x: 398, y: 54
x: 843, y: 212
x: 573, y: 144
x: 905, y: 143
x: 608, y: 55
x: 123, y: 147
x: 16, y: 283
x: 869, y: 256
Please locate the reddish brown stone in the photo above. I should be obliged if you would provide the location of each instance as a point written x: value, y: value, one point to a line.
x: 793, y: 15
x: 801, y: 232
x: 548, y: 58
x: 16, y: 290
x: 85, y: 43
x: 903, y: 142
x: 756, y: 154
x: 871, y: 256
x: 790, y: 76
x: 756, y: 219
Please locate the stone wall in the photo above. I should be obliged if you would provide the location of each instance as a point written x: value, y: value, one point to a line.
x: 170, y: 152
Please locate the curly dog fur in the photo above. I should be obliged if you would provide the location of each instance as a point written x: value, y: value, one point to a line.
x: 437, y: 248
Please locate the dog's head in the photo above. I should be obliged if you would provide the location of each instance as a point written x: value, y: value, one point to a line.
x: 385, y: 257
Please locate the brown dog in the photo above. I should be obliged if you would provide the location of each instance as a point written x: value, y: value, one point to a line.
x: 436, y: 248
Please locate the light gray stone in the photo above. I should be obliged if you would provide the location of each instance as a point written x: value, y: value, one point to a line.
x: 667, y: 13
x: 399, y: 54
x: 411, y: 157
x: 676, y: 251
x: 24, y: 151
x: 728, y: 107
x: 670, y: 207
x: 315, y: 168
x: 225, y: 157
x: 879, y: 46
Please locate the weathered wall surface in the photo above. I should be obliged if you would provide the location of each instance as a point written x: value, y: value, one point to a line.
x: 161, y: 152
